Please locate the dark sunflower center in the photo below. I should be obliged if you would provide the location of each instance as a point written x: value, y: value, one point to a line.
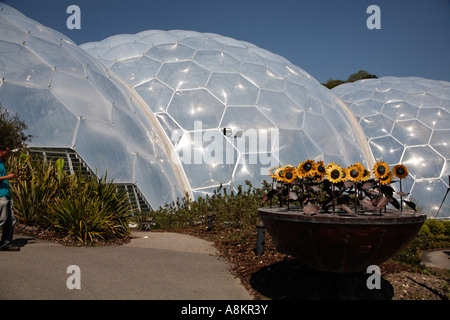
x: 335, y: 174
x: 400, y: 171
x: 354, y: 173
x: 288, y: 175
x: 307, y: 166
x: 344, y: 174
x: 321, y: 168
x: 381, y: 170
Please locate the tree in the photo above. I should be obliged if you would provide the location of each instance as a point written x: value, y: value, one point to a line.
x: 361, y: 74
x: 12, y: 130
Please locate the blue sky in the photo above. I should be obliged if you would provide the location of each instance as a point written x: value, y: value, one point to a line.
x: 326, y: 38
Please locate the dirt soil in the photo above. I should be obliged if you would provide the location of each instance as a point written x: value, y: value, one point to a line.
x: 277, y: 276
x: 274, y: 275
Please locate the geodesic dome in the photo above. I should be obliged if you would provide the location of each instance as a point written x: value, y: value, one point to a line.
x: 407, y: 120
x: 198, y: 84
x: 70, y: 100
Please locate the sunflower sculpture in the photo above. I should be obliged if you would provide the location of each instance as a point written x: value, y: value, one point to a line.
x: 366, y: 175
x: 400, y: 171
x: 319, y: 171
x: 387, y: 179
x: 355, y: 172
x: 272, y: 172
x: 335, y: 173
x: 279, y: 174
x: 319, y: 183
x: 289, y: 174
x: 380, y: 170
x: 305, y: 169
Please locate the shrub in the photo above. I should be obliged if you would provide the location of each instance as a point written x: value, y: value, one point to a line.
x: 234, y: 209
x: 84, y: 207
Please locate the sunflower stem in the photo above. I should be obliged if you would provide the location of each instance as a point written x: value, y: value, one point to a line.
x: 332, y: 194
x: 401, y: 197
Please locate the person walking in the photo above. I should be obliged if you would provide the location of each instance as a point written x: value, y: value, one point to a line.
x: 7, y: 220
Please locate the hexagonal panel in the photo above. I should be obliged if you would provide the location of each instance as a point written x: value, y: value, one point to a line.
x: 411, y: 132
x: 189, y: 107
x: 183, y: 75
x: 233, y: 89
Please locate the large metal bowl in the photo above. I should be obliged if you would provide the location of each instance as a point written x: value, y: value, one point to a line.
x: 341, y: 243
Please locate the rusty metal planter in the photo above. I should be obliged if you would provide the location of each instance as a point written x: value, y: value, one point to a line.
x: 341, y: 243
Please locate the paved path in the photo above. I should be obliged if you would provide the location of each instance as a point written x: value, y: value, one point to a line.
x: 154, y: 265
x: 437, y: 258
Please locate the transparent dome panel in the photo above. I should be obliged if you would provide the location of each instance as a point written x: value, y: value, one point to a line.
x: 262, y: 76
x: 309, y: 102
x: 440, y: 141
x: 105, y: 151
x: 400, y: 110
x: 13, y: 62
x: 435, y: 118
x: 217, y: 61
x: 126, y: 51
x: 154, y: 181
x: 232, y: 89
x: 411, y: 132
x: 244, y: 54
x: 423, y: 162
x: 136, y: 134
x: 83, y: 98
x: 183, y: 75
x: 171, y: 52
x: 279, y: 108
x: 429, y: 195
x: 196, y: 110
x: 376, y: 125
x: 155, y: 94
x: 48, y: 120
x: 293, y: 143
x: 11, y: 33
x: 387, y: 149
x: 245, y: 118
x: 202, y: 42
x: 136, y: 72
x: 56, y: 56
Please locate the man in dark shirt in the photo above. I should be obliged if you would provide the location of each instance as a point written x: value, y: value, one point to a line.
x: 7, y: 220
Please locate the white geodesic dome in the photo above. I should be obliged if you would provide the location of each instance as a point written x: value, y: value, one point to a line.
x: 407, y: 120
x: 70, y: 100
x: 197, y: 84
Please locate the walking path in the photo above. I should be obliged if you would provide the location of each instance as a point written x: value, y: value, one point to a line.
x: 152, y: 266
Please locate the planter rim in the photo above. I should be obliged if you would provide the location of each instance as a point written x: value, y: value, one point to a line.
x: 296, y: 214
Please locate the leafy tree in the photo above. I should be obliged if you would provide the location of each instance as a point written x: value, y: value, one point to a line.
x: 361, y: 74
x: 12, y: 129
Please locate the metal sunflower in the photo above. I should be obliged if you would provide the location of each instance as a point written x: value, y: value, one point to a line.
x: 400, y: 171
x: 279, y: 174
x: 334, y: 173
x: 387, y: 179
x: 355, y: 172
x: 381, y: 169
x: 319, y: 170
x: 366, y: 175
x: 273, y: 171
x: 304, y: 168
x: 289, y: 174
